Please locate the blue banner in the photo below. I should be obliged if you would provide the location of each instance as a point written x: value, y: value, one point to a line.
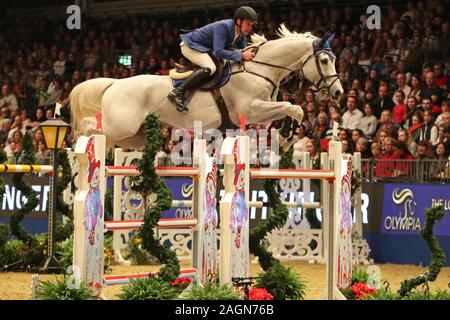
x: 404, y: 208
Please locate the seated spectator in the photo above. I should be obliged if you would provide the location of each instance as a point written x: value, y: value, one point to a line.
x: 356, y: 134
x: 384, y: 166
x: 42, y: 153
x: 417, y: 123
x: 368, y: 123
x: 429, y: 131
x: 4, y: 113
x: 346, y: 147
x: 321, y: 128
x: 399, y: 112
x: 54, y: 91
x: 351, y: 118
x: 386, y: 123
x: 8, y: 99
x: 314, y: 155
x: 384, y: 101
x: 425, y: 150
x: 416, y: 87
x: 442, y: 167
x: 310, y: 114
x: 300, y: 145
x: 412, y: 106
x: 446, y: 139
x: 37, y: 136
x: 401, y: 152
x: 444, y: 117
x: 403, y: 135
x: 401, y: 84
x: 362, y: 146
x: 430, y: 87
x: 376, y: 150
x: 441, y: 77
x: 5, y: 126
x: 59, y: 67
x: 16, y: 126
x: 26, y: 122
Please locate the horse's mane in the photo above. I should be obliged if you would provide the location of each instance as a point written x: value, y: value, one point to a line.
x: 284, y: 33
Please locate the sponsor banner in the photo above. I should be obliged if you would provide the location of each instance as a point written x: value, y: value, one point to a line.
x: 404, y: 208
x: 14, y: 200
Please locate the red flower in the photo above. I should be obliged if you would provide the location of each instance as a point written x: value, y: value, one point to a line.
x: 180, y: 281
x: 259, y: 294
x: 362, y: 290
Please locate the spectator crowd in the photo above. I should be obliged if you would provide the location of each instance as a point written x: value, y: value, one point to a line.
x: 396, y: 104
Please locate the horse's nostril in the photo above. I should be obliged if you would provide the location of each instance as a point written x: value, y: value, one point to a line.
x: 337, y: 93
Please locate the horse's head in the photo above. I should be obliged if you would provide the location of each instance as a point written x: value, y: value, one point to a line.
x: 319, y: 67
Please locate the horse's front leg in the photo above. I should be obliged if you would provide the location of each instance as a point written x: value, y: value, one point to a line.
x: 265, y: 111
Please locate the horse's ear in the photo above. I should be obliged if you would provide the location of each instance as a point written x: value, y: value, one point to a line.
x: 320, y: 44
x: 330, y: 39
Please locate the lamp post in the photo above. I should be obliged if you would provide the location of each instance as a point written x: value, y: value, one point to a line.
x: 54, y: 132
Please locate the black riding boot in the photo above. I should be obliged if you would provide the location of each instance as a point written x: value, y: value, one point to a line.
x: 177, y: 94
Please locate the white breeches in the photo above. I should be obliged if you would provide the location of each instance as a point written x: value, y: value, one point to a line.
x: 201, y: 59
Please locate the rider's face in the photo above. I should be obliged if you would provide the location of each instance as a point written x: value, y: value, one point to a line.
x: 246, y: 26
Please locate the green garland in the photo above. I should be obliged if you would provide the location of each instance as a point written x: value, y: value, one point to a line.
x: 4, y: 229
x: 149, y: 182
x: 437, y: 254
x: 276, y: 219
x: 2, y: 184
x: 63, y: 231
x: 29, y: 157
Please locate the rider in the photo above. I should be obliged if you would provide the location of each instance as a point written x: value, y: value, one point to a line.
x: 215, y: 37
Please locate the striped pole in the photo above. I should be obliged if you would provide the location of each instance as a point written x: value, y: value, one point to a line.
x: 305, y: 205
x: 25, y: 168
x: 162, y: 224
x: 161, y: 171
x: 125, y: 278
x: 291, y: 173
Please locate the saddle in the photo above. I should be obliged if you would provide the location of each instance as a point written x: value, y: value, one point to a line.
x: 218, y: 79
x: 213, y: 84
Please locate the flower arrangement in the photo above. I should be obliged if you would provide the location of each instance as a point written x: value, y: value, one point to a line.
x: 361, y: 290
x: 259, y: 294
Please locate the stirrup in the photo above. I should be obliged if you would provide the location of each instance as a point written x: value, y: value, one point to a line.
x: 181, y: 108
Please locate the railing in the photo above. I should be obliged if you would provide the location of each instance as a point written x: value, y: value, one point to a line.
x: 418, y: 171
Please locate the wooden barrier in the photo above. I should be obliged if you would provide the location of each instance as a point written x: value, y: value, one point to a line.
x: 89, y: 204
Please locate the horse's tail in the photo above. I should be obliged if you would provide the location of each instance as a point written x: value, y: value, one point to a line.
x: 85, y: 101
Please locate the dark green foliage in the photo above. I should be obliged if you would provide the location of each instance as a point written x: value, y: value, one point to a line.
x: 359, y: 275
x: 2, y: 184
x: 383, y: 294
x: 437, y: 254
x: 283, y: 283
x: 11, y: 252
x: 276, y: 219
x: 4, y: 234
x: 63, y: 231
x: 387, y: 294
x: 151, y: 288
x: 59, y: 289
x: 212, y: 291
x: 64, y: 253
x: 149, y: 182
x: 16, y: 218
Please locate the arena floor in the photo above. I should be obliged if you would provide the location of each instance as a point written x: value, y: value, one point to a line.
x: 17, y: 286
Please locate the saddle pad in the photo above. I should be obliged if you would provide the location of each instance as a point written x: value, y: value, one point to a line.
x: 223, y: 79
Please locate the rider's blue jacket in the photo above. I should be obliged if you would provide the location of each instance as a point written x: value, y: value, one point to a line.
x: 216, y: 37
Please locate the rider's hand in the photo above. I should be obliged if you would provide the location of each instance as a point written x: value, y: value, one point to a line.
x: 247, y: 55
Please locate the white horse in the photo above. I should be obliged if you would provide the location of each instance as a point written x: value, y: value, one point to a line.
x: 124, y: 103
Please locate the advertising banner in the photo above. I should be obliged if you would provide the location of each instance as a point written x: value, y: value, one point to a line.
x: 404, y: 208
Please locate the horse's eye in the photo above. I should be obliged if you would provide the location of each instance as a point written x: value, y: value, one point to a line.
x: 324, y: 61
